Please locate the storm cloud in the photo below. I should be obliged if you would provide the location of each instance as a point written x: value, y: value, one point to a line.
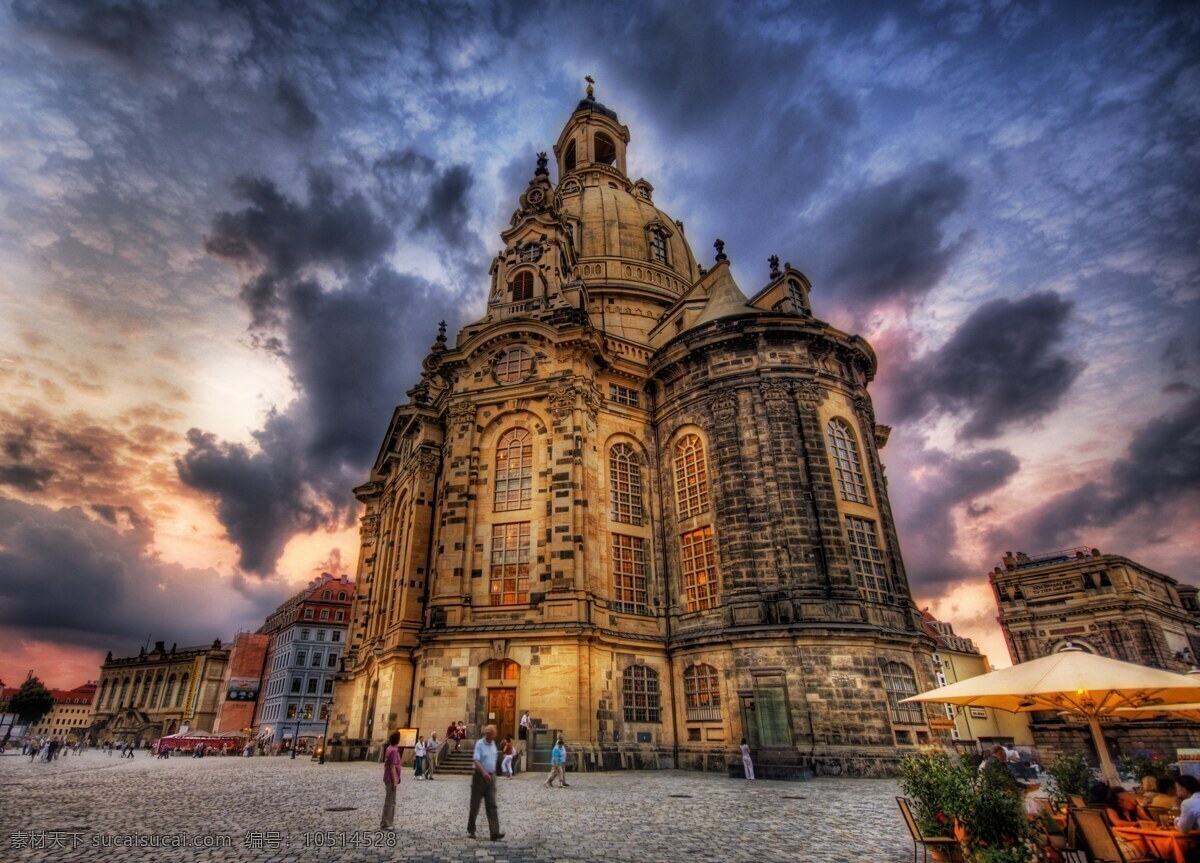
x: 1006, y: 364
x: 342, y: 338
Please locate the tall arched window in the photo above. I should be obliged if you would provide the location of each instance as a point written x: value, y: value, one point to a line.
x: 145, y: 691
x: 900, y: 683
x: 183, y: 685
x: 156, y: 690
x: 170, y: 693
x: 691, y: 477
x: 845, y: 459
x: 124, y: 690
x: 699, y: 564
x: 658, y: 246
x: 641, y: 700
x: 702, y: 693
x: 522, y: 286
x: 605, y: 150
x: 625, y: 484
x: 514, y: 470
x: 569, y: 157
x: 509, y: 582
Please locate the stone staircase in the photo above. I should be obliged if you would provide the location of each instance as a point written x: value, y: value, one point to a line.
x: 460, y: 763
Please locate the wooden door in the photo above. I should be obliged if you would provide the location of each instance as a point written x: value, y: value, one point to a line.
x: 502, y: 712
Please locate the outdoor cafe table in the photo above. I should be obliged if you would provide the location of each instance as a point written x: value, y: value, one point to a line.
x: 1164, y: 842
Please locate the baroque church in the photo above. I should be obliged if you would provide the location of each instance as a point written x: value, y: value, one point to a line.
x: 640, y: 505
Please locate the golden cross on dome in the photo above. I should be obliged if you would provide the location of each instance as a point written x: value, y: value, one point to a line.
x: 591, y: 93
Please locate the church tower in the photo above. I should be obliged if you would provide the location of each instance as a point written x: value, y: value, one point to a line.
x: 638, y: 504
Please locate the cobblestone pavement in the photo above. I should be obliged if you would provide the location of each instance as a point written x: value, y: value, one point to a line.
x: 95, y: 800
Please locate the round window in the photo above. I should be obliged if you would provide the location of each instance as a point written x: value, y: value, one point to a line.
x: 514, y: 365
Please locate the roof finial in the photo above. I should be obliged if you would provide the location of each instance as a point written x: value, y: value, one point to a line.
x: 591, y: 92
x: 774, y: 262
x: 719, y: 245
x: 541, y: 171
x: 440, y: 343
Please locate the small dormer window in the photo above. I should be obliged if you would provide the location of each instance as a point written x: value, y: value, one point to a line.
x: 531, y: 253
x: 605, y: 149
x: 658, y: 246
x: 522, y: 286
x: 643, y: 192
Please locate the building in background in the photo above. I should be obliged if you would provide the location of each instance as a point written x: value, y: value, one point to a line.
x: 71, y: 716
x: 976, y: 728
x: 1103, y: 603
x: 1108, y: 605
x: 640, y: 504
x: 142, y: 698
x: 242, y: 684
x: 307, y: 637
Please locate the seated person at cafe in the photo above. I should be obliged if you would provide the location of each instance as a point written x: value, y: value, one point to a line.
x: 1164, y: 793
x: 1186, y: 788
x: 998, y: 756
x: 1097, y: 794
x: 1123, y: 807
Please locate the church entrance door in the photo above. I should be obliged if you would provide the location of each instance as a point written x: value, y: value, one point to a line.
x: 502, y: 712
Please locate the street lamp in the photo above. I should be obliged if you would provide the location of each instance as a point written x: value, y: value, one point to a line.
x: 296, y: 733
x: 325, y: 735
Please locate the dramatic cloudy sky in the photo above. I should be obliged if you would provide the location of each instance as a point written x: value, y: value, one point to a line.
x: 227, y: 232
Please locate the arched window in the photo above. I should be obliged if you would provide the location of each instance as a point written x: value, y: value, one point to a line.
x: 327, y: 594
x: 522, y: 286
x: 658, y: 246
x: 169, y: 694
x: 691, y: 477
x: 569, y: 157
x: 641, y: 700
x: 509, y: 582
x: 699, y: 564
x: 157, y: 689
x: 701, y: 693
x: 514, y: 470
x: 867, y: 558
x: 900, y: 683
x: 605, y: 150
x: 183, y: 685
x: 514, y: 365
x: 629, y: 573
x: 145, y: 691
x: 124, y: 689
x: 625, y: 484
x: 845, y: 459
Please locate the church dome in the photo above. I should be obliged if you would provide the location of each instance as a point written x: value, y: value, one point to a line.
x: 618, y: 230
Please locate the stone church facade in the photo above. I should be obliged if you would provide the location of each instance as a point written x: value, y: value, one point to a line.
x: 638, y: 504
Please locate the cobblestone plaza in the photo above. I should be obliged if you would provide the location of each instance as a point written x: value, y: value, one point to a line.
x: 276, y: 809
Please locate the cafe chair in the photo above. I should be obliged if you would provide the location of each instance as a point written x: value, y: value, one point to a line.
x: 948, y: 843
x: 1093, y: 827
x: 1077, y: 801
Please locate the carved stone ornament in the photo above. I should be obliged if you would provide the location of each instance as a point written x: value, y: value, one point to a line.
x: 723, y: 405
x: 461, y: 413
x: 776, y: 395
x: 370, y: 526
x: 810, y: 394
x: 427, y: 465
x: 863, y: 407
x: 562, y: 400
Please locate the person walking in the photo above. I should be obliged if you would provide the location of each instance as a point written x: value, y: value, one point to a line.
x: 747, y: 763
x: 558, y: 765
x: 523, y: 731
x: 391, y: 779
x: 419, y: 758
x: 483, y: 784
x: 431, y: 751
x: 507, y: 752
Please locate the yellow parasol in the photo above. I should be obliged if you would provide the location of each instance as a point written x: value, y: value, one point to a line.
x: 1190, y: 711
x: 1075, y: 682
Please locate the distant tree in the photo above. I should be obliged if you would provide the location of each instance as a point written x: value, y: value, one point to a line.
x: 32, y: 701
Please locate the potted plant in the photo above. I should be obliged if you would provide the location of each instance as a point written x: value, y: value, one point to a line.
x: 938, y: 787
x: 1070, y: 774
x: 994, y: 827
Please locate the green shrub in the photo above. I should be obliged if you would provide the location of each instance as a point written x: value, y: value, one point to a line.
x: 1070, y: 774
x: 938, y: 787
x: 997, y: 828
x: 1140, y: 766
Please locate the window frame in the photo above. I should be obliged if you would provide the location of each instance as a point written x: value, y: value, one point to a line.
x: 626, y: 503
x: 690, y: 470
x: 630, y: 574
x: 698, y: 545
x: 846, y: 457
x: 702, y: 693
x: 902, y: 674
x: 642, y: 705
x: 520, y: 440
x: 510, y: 566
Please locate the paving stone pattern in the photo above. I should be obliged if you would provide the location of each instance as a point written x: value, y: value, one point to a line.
x: 630, y: 817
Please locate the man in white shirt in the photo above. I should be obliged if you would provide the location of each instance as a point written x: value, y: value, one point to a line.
x: 1187, y: 789
x: 483, y: 784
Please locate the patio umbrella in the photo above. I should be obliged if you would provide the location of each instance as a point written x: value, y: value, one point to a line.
x: 1074, y: 682
x: 1190, y: 711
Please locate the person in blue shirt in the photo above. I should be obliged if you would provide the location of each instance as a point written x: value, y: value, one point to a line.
x: 558, y: 765
x: 483, y: 784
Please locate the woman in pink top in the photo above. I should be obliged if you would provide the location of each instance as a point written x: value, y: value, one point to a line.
x: 391, y: 778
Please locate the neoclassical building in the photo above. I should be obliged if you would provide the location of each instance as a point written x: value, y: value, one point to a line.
x: 639, y: 504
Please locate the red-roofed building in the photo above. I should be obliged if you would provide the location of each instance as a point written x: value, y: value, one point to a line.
x: 71, y: 714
